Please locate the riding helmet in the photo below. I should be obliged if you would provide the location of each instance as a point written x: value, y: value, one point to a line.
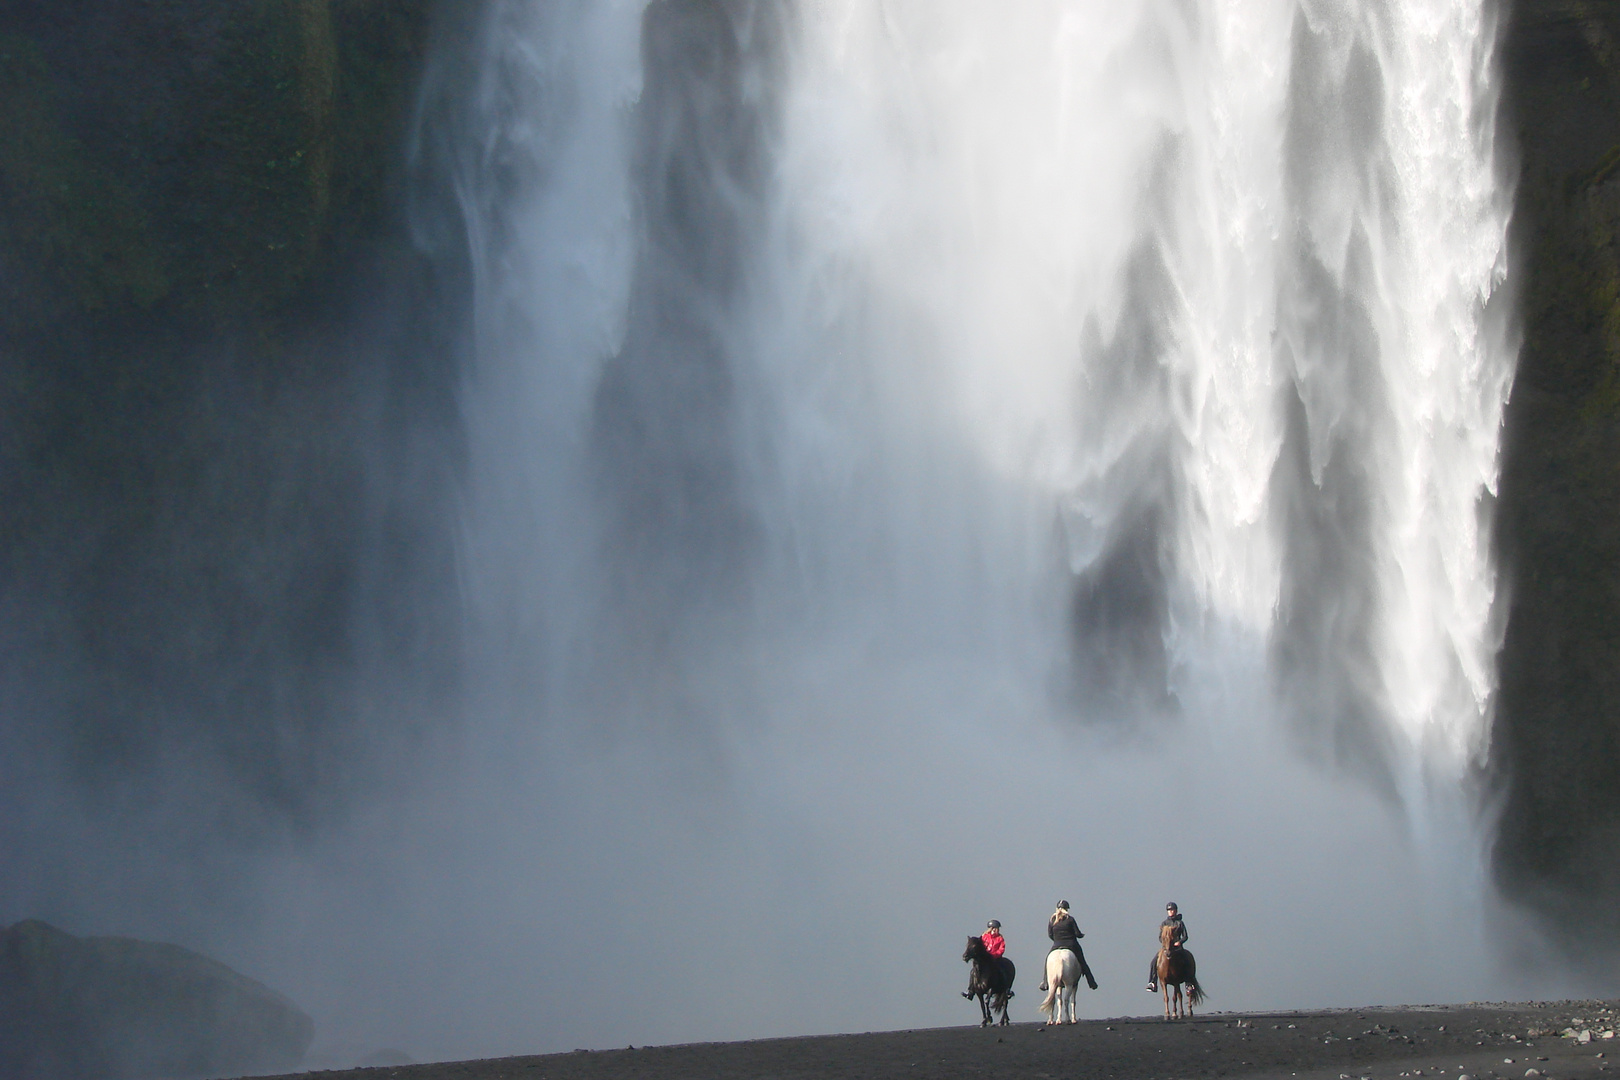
x: 1172, y: 907
x: 993, y: 924
x: 1064, y: 904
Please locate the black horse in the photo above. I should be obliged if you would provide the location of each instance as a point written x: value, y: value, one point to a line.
x: 991, y: 979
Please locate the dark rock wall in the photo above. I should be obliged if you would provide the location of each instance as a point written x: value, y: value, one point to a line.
x: 1555, y: 752
x: 226, y: 418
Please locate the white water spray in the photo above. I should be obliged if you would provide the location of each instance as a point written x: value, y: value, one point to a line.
x: 932, y: 458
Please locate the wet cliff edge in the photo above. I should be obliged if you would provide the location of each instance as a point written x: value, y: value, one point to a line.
x: 1555, y: 740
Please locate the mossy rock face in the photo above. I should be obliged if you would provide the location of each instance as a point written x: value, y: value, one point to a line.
x: 195, y: 432
x: 121, y: 1009
x: 60, y: 209
x: 218, y: 154
x: 252, y: 204
x: 1555, y: 749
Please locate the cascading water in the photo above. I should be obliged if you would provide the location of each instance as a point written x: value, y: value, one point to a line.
x: 928, y: 459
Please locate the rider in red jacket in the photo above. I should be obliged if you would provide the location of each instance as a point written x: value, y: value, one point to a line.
x: 994, y: 943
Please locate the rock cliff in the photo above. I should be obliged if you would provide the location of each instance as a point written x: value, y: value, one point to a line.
x: 223, y: 383
x: 1555, y: 751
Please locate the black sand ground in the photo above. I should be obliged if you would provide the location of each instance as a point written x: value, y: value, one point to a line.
x: 1432, y: 1042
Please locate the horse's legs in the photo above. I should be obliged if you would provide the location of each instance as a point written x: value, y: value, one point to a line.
x: 1054, y: 993
x: 984, y: 1006
x: 1164, y: 988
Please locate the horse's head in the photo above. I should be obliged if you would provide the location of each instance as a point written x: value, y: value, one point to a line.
x: 1167, y: 936
x: 975, y: 949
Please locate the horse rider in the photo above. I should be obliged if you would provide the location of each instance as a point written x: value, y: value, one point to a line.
x: 994, y: 944
x: 1065, y: 934
x: 1172, y: 918
x: 993, y: 941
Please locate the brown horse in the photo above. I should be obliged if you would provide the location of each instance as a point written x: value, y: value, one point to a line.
x: 1176, y: 967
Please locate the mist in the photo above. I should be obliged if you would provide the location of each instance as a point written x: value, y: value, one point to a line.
x: 913, y: 463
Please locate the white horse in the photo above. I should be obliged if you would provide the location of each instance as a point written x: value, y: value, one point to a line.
x: 1062, y: 978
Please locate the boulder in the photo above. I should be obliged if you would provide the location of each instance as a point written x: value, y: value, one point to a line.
x: 119, y: 1009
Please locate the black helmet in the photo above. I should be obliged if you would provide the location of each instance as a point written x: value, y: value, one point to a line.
x: 1171, y: 906
x: 993, y: 924
x: 1063, y: 905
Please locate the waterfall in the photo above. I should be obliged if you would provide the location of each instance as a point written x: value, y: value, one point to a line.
x: 929, y: 459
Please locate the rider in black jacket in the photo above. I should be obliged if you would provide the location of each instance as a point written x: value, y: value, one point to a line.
x: 1172, y: 917
x: 1065, y: 934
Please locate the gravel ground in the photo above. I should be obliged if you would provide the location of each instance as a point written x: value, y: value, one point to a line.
x: 1433, y: 1042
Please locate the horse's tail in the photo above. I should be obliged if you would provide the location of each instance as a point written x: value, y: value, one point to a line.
x: 1195, y: 993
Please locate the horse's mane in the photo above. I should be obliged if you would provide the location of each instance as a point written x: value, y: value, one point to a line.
x: 1166, y: 933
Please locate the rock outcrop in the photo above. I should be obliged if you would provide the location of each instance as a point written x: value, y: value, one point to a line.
x: 107, y: 1008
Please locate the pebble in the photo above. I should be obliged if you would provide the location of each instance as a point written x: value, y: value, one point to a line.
x: 1465, y: 1076
x: 1532, y: 1072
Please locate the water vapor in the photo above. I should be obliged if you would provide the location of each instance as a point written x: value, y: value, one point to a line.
x: 923, y: 461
